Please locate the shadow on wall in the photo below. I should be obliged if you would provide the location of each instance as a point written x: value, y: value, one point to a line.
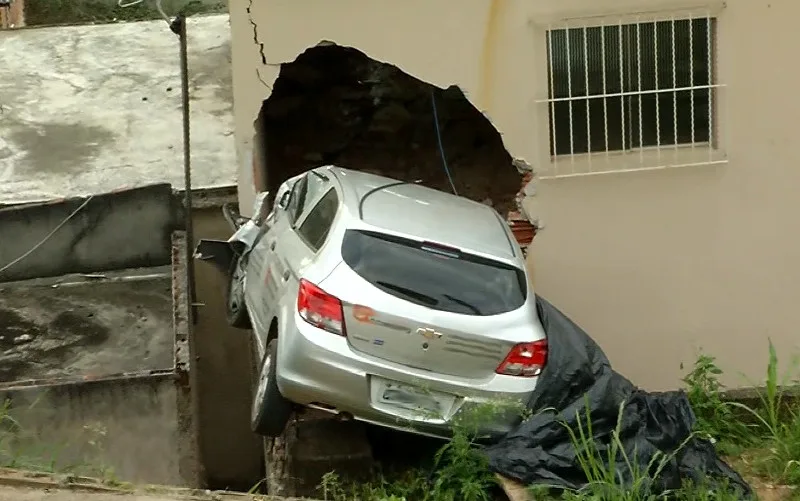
x: 336, y: 105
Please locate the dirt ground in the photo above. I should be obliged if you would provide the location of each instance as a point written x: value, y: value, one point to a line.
x: 17, y: 494
x: 17, y: 485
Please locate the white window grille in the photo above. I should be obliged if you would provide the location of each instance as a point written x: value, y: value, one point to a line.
x: 632, y: 96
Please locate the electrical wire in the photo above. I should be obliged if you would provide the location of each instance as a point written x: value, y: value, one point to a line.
x: 130, y: 3
x: 48, y: 236
x: 439, y: 139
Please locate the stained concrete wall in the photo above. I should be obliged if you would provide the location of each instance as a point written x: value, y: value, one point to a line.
x: 232, y: 454
x: 76, y: 326
x: 192, y: 416
x: 118, y: 429
x: 112, y: 231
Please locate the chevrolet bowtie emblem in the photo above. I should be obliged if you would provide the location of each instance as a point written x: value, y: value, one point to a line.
x: 428, y: 333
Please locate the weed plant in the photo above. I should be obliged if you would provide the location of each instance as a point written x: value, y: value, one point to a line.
x: 768, y: 433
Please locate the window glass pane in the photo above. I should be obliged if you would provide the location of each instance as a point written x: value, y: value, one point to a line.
x: 317, y: 225
x: 633, y: 84
x: 458, y: 284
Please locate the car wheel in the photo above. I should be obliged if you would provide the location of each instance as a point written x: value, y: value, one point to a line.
x: 236, y: 309
x: 271, y: 411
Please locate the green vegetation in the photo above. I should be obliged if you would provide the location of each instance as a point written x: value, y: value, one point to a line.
x: 51, y: 12
x: 764, y: 437
x: 25, y: 449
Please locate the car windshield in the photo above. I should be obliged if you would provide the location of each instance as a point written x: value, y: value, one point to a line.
x: 434, y: 276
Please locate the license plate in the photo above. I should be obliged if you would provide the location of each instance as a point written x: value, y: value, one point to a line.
x: 427, y: 404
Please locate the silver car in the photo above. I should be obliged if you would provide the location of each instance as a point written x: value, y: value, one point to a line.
x: 384, y: 301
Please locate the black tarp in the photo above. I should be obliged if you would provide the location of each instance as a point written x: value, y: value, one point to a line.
x: 578, y: 378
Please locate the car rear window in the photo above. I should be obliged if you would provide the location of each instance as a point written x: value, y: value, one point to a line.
x: 433, y: 276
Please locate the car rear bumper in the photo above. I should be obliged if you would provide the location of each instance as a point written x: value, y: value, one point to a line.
x: 320, y: 369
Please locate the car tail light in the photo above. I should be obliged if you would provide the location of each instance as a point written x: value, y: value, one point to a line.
x: 319, y: 308
x: 525, y: 359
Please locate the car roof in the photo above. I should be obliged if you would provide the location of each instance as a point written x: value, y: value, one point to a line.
x: 425, y: 213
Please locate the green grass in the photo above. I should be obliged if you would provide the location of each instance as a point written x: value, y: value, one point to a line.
x: 765, y: 434
x: 25, y: 449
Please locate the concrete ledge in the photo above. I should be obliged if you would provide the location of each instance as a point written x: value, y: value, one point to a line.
x: 210, y: 198
x: 86, y: 486
x: 117, y: 230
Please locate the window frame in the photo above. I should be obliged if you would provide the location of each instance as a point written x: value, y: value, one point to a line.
x: 633, y: 158
x: 292, y: 209
x: 299, y: 226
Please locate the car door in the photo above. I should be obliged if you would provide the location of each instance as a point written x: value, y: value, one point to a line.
x: 260, y: 286
x: 297, y: 248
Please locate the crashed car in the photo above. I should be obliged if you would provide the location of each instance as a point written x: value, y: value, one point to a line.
x: 381, y: 300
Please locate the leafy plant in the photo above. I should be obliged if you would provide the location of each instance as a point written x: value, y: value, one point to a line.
x: 717, y: 419
x: 459, y: 471
x: 766, y: 435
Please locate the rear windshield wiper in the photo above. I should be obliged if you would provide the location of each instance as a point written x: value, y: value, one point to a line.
x: 423, y: 298
x: 463, y: 303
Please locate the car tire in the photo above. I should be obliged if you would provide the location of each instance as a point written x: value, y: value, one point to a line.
x: 270, y: 411
x: 235, y: 307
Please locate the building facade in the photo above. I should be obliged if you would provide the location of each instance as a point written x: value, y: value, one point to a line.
x: 661, y: 133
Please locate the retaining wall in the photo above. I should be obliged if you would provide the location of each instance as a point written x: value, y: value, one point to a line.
x: 112, y: 231
x: 185, y: 423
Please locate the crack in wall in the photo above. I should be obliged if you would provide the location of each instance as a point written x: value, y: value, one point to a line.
x: 255, y: 33
x: 259, y: 44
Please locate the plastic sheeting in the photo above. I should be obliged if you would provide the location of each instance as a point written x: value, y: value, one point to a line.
x: 579, y: 378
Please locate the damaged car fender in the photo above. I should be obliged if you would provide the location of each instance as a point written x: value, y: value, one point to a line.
x: 221, y: 253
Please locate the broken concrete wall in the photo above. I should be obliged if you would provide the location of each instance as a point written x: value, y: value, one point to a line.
x: 110, y: 231
x: 117, y: 429
x: 335, y: 105
x: 483, y: 48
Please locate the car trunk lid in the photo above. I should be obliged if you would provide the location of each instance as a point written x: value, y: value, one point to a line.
x: 434, y: 310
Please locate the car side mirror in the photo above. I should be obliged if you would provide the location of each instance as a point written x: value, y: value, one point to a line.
x: 260, y: 208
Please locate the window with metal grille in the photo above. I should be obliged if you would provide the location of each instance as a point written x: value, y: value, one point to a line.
x: 631, y: 86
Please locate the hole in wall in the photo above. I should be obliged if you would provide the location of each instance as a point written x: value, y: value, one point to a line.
x: 335, y: 105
